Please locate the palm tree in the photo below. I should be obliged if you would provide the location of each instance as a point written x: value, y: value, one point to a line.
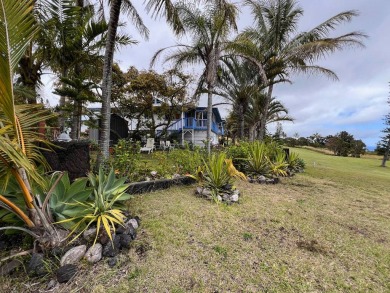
x: 276, y: 48
x: 255, y: 116
x: 209, y: 28
x: 237, y: 85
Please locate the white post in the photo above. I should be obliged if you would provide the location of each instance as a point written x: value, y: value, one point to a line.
x: 182, y: 127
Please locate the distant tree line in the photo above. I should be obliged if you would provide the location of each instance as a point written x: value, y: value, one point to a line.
x: 341, y: 144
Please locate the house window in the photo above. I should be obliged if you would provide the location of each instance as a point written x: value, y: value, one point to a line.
x: 201, y: 115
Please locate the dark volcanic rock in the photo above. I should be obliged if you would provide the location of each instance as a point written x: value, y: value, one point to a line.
x: 112, y: 261
x: 36, y: 266
x: 66, y: 272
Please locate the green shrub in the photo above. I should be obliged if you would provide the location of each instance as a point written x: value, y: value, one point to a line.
x: 125, y: 159
x: 239, y: 154
x: 186, y: 161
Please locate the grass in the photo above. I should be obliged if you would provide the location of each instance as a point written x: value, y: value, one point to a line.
x: 326, y: 230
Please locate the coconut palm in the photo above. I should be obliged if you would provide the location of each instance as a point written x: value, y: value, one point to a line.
x: 209, y: 28
x: 276, y: 48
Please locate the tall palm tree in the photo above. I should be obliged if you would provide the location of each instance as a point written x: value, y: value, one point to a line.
x: 276, y: 48
x: 209, y: 27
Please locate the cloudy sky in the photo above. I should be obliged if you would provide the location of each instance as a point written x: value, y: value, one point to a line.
x: 356, y: 103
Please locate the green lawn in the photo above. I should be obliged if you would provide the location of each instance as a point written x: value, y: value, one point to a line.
x: 326, y: 230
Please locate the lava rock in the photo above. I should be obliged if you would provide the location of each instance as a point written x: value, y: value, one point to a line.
x: 125, y: 240
x: 111, y: 249
x: 73, y: 255
x: 112, y: 261
x: 36, y: 266
x: 9, y: 267
x: 94, y: 253
x: 129, y: 230
x: 66, y: 272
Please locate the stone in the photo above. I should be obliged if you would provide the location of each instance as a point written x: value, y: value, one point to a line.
x: 112, y: 261
x: 225, y: 196
x: 261, y: 179
x: 269, y: 181
x: 137, y: 219
x: 125, y: 241
x: 199, y: 190
x: 206, y: 192
x: 227, y: 187
x: 129, y: 230
x: 73, y: 255
x: 10, y: 267
x: 52, y: 283
x: 133, y: 222
x: 36, y: 266
x: 219, y: 198
x: 66, y: 272
x: 111, y: 249
x: 94, y: 253
x: 90, y: 234
x: 153, y: 173
x: 234, y: 197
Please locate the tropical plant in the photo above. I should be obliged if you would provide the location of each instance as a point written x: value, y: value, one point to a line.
x: 277, y: 50
x: 278, y: 165
x: 258, y: 161
x: 294, y: 162
x: 104, y: 210
x: 216, y: 174
x: 209, y: 27
x: 59, y: 192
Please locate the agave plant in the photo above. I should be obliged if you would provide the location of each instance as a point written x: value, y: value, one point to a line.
x: 104, y: 210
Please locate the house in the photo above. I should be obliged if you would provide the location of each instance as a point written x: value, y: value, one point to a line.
x: 190, y: 126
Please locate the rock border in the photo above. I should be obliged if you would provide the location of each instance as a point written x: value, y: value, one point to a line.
x: 154, y: 185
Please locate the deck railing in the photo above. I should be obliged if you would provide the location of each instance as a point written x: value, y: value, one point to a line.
x: 192, y: 123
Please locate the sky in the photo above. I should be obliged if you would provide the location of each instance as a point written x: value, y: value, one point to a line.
x: 355, y: 103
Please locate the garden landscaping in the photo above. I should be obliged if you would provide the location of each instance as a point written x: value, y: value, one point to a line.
x: 322, y: 230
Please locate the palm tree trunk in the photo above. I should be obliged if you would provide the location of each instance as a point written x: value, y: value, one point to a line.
x: 107, y: 79
x: 209, y: 116
x: 263, y: 120
x: 242, y: 121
